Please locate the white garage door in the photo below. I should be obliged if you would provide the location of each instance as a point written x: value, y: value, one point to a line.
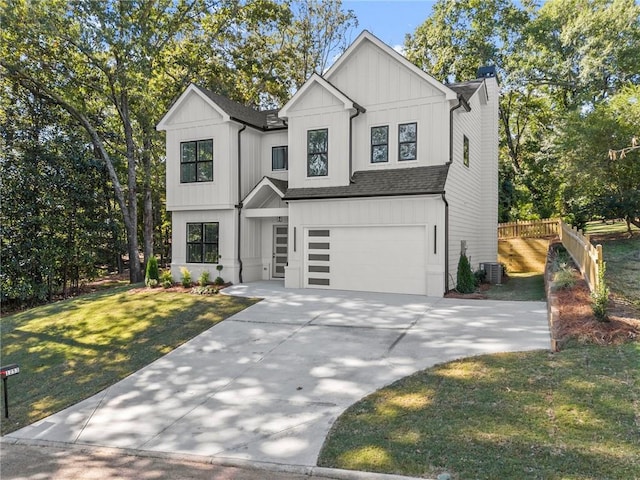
x: 377, y: 259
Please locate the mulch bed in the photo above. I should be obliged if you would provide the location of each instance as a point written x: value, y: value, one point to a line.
x: 177, y: 287
x: 576, y: 320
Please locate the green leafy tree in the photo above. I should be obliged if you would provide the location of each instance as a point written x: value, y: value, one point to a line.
x: 556, y: 63
x: 97, y: 60
x: 600, y: 162
x: 55, y: 222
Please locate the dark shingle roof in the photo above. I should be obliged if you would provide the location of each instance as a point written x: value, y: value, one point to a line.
x: 281, y: 185
x: 381, y: 183
x: 238, y: 111
x: 466, y: 89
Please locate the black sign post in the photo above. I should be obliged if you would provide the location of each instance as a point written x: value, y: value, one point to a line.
x: 6, y: 372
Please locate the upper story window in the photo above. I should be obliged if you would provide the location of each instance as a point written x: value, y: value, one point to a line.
x: 465, y: 151
x: 379, y: 144
x: 280, y: 158
x: 318, y: 153
x: 202, y: 242
x: 407, y: 141
x: 196, y: 161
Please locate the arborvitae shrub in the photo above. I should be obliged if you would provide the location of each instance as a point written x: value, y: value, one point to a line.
x: 152, y: 275
x: 466, y: 281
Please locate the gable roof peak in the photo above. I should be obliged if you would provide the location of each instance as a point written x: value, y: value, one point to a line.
x: 366, y: 36
x: 317, y: 79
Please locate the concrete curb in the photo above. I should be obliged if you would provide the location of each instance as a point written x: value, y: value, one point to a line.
x: 309, y: 471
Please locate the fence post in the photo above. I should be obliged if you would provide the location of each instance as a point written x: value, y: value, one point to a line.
x: 599, y: 269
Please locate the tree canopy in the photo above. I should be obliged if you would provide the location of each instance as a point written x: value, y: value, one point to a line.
x: 569, y: 72
x: 111, y: 68
x: 84, y: 82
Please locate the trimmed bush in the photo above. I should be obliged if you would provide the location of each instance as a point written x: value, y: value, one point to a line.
x: 203, y: 281
x: 466, y: 281
x: 152, y: 274
x: 186, y: 277
x: 166, y: 280
x: 600, y: 297
x: 219, y: 280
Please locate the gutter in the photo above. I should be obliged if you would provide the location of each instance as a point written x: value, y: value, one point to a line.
x: 461, y: 103
x: 359, y: 110
x: 259, y: 128
x: 239, y: 205
x: 361, y: 195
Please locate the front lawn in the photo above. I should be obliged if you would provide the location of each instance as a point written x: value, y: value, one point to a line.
x: 70, y: 350
x: 622, y: 257
x: 534, y: 415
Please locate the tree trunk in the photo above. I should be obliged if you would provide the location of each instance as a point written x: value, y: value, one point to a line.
x: 129, y: 212
x: 135, y: 271
x: 147, y: 212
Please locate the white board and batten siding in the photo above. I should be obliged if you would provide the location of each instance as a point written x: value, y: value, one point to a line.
x: 227, y: 248
x: 197, y: 120
x: 392, y: 95
x: 472, y: 190
x: 373, y: 77
x: 432, y: 135
x: 318, y: 109
x: 381, y: 244
x: 270, y: 140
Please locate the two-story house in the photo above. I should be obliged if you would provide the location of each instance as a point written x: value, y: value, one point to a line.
x: 372, y: 177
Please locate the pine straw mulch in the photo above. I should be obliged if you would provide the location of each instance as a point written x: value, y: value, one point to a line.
x: 177, y: 287
x: 577, y: 322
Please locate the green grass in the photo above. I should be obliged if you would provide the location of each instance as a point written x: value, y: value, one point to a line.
x: 609, y: 227
x: 534, y: 415
x: 622, y: 257
x: 70, y: 350
x: 520, y: 286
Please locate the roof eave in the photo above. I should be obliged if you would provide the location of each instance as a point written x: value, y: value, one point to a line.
x: 363, y: 195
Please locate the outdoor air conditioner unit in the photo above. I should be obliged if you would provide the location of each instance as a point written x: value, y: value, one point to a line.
x: 493, y: 272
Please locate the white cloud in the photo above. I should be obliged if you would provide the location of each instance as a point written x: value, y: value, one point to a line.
x: 400, y: 49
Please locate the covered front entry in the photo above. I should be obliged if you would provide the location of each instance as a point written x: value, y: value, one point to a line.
x: 267, y: 218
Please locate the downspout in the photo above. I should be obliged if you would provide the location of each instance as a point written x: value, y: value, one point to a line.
x: 359, y: 110
x: 461, y: 102
x: 446, y: 242
x: 239, y: 205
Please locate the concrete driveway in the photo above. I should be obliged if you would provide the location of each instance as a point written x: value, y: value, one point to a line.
x: 267, y: 384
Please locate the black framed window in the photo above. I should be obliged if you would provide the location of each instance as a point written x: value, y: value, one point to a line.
x: 465, y: 151
x: 196, y: 161
x: 379, y: 144
x: 318, y: 153
x: 407, y: 141
x: 202, y: 242
x: 280, y: 158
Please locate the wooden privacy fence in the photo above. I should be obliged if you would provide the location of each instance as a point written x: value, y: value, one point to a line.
x: 529, y: 229
x: 587, y: 257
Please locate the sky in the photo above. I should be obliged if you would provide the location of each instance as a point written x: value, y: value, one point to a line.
x: 389, y: 20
